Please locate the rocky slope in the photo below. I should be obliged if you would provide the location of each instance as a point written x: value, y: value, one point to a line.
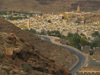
x: 61, y: 55
x: 21, y: 58
x: 49, y: 5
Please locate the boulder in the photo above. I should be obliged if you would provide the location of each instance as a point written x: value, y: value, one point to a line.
x: 9, y: 52
x: 15, y: 71
x: 5, y: 67
x: 65, y: 71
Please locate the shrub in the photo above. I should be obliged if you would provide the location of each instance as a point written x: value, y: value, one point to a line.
x: 1, y: 56
x: 26, y: 67
x: 6, y: 69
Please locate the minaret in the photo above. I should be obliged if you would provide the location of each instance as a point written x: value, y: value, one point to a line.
x: 7, y: 12
x: 78, y: 8
x: 28, y: 24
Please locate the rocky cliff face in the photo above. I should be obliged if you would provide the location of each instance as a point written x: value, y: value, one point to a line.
x: 20, y: 57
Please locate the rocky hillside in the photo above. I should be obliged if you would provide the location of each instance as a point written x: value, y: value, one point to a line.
x: 49, y: 5
x: 50, y: 50
x: 21, y: 58
x: 61, y: 55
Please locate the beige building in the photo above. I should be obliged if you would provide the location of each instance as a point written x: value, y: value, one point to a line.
x: 74, y: 30
x: 65, y: 33
x: 28, y: 24
x: 87, y: 33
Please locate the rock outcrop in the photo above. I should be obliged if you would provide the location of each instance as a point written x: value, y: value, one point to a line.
x: 21, y: 58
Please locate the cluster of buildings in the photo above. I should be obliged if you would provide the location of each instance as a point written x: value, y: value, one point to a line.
x: 73, y: 22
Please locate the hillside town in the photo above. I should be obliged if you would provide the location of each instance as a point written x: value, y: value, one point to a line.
x: 49, y: 37
x: 78, y: 21
x: 73, y: 22
x: 69, y: 22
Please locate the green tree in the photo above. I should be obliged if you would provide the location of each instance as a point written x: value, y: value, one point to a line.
x: 54, y: 33
x: 94, y: 44
x: 83, y: 42
x: 70, y: 35
x: 96, y: 33
x: 26, y: 30
x: 1, y: 56
x: 32, y: 30
x: 76, y: 35
x: 14, y: 18
x: 48, y: 32
x: 57, y: 33
x: 91, y: 52
x: 64, y: 37
x: 26, y: 67
x: 3, y: 13
x: 82, y: 34
x: 75, y: 42
x: 42, y: 33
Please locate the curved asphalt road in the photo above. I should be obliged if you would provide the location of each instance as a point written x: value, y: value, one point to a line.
x: 82, y: 59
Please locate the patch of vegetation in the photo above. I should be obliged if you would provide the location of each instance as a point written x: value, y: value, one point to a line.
x: 75, y: 39
x: 6, y: 69
x: 96, y: 33
x: 54, y: 33
x: 95, y: 43
x: 14, y: 18
x: 32, y: 30
x: 26, y: 67
x: 3, y: 13
x: 1, y: 56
